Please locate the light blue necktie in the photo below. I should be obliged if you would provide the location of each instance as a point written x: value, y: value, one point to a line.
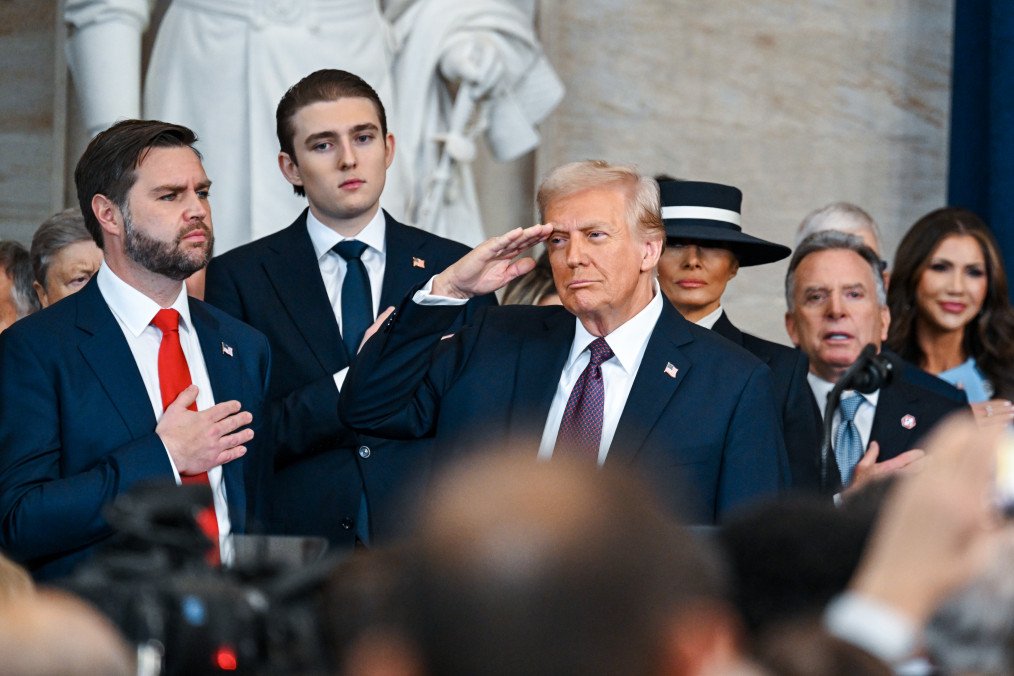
x: 848, y: 445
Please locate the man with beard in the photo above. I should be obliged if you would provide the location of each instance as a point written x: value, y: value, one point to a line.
x: 118, y: 384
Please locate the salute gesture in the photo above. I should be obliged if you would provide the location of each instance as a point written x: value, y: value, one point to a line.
x: 491, y: 265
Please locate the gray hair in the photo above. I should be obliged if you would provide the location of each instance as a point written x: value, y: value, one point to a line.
x: 15, y: 263
x: 55, y: 234
x: 831, y: 240
x: 643, y: 203
x: 843, y: 216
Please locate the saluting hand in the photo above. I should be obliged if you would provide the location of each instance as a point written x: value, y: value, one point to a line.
x: 491, y: 265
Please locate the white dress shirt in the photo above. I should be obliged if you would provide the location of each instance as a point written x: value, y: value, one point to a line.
x: 133, y: 312
x: 708, y: 320
x: 628, y: 343
x: 864, y: 415
x: 332, y: 266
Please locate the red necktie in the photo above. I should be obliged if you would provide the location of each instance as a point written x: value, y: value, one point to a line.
x: 173, y: 378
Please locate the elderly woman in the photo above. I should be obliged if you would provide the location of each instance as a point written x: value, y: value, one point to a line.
x: 950, y: 312
x: 64, y: 256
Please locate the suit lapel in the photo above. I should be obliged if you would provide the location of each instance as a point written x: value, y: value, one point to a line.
x: 226, y: 378
x: 895, y: 402
x: 405, y: 266
x: 107, y: 353
x: 541, y: 359
x: 295, y: 276
x: 654, y: 385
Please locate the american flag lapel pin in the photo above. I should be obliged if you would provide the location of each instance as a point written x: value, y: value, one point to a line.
x: 670, y: 370
x: 418, y: 263
x: 908, y: 421
x: 227, y: 350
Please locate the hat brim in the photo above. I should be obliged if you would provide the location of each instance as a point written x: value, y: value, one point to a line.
x: 748, y: 250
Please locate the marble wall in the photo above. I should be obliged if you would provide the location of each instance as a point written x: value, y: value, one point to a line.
x: 796, y: 103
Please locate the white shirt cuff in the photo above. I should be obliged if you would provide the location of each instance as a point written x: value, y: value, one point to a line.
x: 176, y: 472
x: 424, y: 297
x: 871, y: 625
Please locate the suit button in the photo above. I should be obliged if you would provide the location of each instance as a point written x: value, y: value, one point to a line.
x: 347, y: 523
x: 364, y: 452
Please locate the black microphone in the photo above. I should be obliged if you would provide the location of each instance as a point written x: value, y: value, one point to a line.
x: 867, y: 374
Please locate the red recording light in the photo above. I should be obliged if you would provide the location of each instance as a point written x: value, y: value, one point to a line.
x: 225, y: 659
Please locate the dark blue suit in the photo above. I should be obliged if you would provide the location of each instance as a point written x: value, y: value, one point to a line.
x: 274, y: 284
x: 792, y: 391
x: 706, y: 436
x: 77, y: 427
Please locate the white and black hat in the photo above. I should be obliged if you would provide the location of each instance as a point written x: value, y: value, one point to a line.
x: 709, y: 213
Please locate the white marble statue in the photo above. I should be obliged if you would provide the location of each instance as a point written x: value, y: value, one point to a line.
x: 221, y: 66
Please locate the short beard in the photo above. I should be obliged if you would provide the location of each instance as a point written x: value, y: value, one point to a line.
x: 164, y: 258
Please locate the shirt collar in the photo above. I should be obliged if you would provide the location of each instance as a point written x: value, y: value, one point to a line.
x: 627, y: 341
x: 821, y: 388
x: 374, y: 235
x: 134, y: 309
x: 708, y: 320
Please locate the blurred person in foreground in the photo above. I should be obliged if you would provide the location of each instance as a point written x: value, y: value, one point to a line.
x: 52, y: 632
x: 554, y: 569
x: 951, y: 312
x: 16, y: 299
x: 64, y: 256
x: 938, y: 529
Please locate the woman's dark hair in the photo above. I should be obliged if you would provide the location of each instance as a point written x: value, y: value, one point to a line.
x: 989, y: 337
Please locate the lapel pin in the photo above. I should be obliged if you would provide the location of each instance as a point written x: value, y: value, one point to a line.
x: 908, y: 421
x: 227, y: 350
x: 670, y: 370
x: 418, y: 263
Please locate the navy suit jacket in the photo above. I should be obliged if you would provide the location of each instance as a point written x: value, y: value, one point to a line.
x: 322, y: 467
x: 898, y: 399
x: 792, y: 392
x: 707, y: 435
x: 77, y: 427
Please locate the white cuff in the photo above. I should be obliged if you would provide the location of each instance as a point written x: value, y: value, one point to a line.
x: 871, y: 625
x: 424, y: 296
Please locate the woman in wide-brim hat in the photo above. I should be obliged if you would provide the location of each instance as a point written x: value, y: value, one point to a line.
x: 705, y: 247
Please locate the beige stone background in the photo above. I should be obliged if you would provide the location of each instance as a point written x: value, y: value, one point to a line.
x: 796, y: 102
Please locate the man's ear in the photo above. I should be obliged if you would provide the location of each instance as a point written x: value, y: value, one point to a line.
x: 702, y: 641
x: 885, y: 318
x: 108, y: 215
x: 290, y: 170
x: 652, y: 252
x: 388, y: 150
x: 40, y: 291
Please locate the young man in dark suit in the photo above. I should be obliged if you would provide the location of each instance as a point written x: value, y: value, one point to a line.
x: 313, y: 289
x: 836, y: 306
x: 117, y: 384
x: 616, y: 376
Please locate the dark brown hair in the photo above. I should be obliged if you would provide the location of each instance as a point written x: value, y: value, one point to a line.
x: 108, y: 164
x: 989, y: 337
x: 328, y: 84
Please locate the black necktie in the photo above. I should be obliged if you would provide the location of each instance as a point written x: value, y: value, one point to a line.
x: 357, y: 300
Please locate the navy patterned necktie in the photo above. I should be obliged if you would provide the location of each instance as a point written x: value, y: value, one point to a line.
x: 581, y: 427
x: 848, y: 445
x: 357, y: 298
